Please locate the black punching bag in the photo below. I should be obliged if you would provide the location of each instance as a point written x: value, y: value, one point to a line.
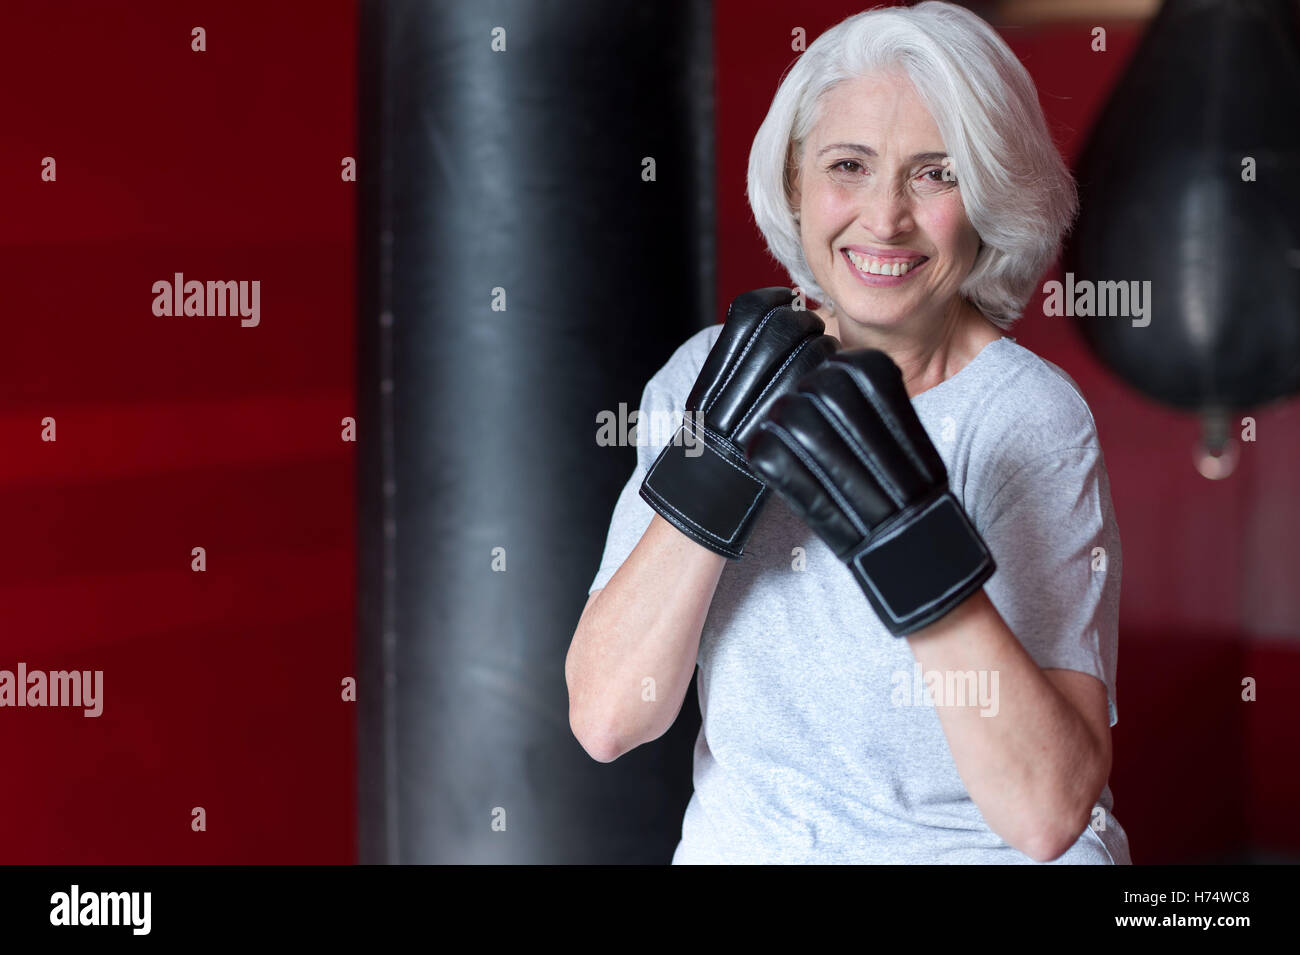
x: 535, y: 240
x: 1191, y: 181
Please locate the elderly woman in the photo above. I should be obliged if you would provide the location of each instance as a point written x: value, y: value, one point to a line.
x: 905, y: 178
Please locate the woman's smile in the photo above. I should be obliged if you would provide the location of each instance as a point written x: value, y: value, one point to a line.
x: 881, y: 270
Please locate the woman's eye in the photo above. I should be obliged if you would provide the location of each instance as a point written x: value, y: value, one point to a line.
x: 842, y: 165
x: 939, y: 174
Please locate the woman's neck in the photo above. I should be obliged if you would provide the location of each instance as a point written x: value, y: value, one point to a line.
x: 926, y: 355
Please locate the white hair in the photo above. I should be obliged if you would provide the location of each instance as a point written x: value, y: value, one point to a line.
x: 1017, y: 192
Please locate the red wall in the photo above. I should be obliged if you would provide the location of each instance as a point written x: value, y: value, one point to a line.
x: 1210, y: 569
x: 221, y: 688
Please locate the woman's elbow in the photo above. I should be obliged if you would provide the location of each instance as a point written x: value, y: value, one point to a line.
x: 1049, y: 841
x: 600, y: 745
x: 1052, y: 835
x: 593, y: 734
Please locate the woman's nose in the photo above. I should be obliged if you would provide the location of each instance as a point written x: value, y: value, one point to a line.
x: 885, y: 213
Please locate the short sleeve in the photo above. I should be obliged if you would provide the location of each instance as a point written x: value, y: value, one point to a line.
x: 632, y: 514
x: 658, y: 420
x: 1052, y: 531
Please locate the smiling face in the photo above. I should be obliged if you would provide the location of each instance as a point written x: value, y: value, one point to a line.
x: 883, y: 227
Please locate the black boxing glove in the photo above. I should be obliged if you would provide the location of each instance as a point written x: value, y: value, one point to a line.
x: 849, y: 454
x: 701, y: 483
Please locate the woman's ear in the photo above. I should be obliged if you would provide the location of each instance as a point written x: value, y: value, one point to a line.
x: 792, y: 188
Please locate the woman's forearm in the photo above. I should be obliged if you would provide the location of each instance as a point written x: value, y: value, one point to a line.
x: 633, y: 653
x: 1033, y: 767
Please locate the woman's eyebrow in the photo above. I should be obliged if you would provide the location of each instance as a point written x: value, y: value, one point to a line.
x: 868, y: 151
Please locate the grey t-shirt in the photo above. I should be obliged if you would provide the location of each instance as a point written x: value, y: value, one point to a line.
x: 819, y: 741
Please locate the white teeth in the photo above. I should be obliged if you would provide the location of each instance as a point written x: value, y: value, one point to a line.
x: 874, y: 266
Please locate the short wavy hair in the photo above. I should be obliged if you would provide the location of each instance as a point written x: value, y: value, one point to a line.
x: 1017, y: 191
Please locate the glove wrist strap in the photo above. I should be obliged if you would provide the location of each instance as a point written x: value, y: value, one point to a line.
x: 701, y: 485
x: 922, y: 565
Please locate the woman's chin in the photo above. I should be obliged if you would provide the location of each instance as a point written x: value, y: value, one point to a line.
x: 869, y: 311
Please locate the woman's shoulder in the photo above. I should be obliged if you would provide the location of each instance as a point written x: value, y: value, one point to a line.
x: 1032, y: 442
x: 677, y: 375
x: 1028, y: 397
